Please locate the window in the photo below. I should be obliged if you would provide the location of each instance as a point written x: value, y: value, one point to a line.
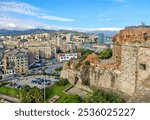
x: 142, y: 66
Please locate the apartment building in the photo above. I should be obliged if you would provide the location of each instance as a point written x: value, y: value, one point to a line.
x: 15, y: 62
x: 67, y: 56
x: 41, y: 52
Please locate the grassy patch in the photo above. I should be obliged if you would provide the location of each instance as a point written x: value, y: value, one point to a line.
x: 72, y: 98
x: 56, y: 90
x: 9, y: 91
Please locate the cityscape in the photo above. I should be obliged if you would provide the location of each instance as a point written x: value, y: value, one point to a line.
x: 45, y: 58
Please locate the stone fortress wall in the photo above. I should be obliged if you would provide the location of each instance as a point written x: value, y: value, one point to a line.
x: 131, y: 66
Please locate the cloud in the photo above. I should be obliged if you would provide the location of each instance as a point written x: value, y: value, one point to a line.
x: 27, y: 9
x: 47, y: 17
x: 17, y: 24
x: 11, y: 23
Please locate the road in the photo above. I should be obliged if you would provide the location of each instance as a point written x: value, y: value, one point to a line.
x: 51, y: 68
x: 48, y: 69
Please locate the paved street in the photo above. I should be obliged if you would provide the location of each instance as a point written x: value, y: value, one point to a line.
x: 51, y: 68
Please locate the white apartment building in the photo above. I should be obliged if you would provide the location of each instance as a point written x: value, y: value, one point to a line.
x: 67, y: 56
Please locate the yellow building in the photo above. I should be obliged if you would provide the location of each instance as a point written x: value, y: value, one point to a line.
x: 15, y: 62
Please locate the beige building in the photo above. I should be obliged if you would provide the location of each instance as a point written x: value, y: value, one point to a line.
x: 68, y: 37
x: 43, y: 52
x: 15, y: 62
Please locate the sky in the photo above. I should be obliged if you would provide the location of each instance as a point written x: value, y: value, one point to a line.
x: 73, y: 14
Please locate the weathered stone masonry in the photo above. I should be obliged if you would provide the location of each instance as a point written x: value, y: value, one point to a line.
x: 130, y: 68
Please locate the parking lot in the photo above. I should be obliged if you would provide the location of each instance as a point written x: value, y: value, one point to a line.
x: 38, y: 81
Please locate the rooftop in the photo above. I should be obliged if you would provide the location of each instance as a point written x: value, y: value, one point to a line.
x: 143, y: 25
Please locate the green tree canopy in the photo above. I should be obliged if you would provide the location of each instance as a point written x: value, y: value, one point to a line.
x: 105, y: 54
x: 31, y: 95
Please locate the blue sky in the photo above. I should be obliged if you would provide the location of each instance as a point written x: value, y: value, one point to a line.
x: 73, y: 14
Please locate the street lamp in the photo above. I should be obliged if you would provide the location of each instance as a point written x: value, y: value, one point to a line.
x: 44, y: 90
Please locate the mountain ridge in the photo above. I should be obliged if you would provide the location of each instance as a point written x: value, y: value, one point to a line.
x: 34, y: 31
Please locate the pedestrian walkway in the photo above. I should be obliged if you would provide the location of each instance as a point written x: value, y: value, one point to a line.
x: 78, y: 91
x: 54, y: 99
x: 11, y: 99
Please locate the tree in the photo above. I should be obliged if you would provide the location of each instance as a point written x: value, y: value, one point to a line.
x: 31, y: 95
x: 24, y: 94
x: 86, y: 52
x: 105, y: 54
x: 15, y: 47
x: 36, y: 95
x: 1, y: 77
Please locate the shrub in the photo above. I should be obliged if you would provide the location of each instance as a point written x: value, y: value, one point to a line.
x: 87, y: 63
x: 105, y: 54
x: 100, y: 96
x: 72, y: 98
x: 86, y: 82
x: 62, y: 82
